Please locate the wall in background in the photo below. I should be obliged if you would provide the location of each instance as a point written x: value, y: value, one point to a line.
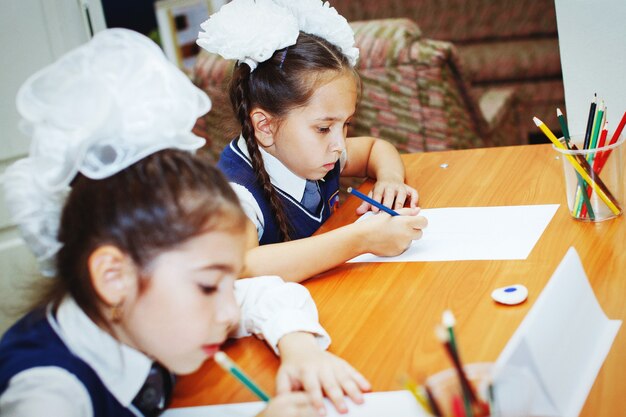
x: 592, y: 40
x: 34, y: 33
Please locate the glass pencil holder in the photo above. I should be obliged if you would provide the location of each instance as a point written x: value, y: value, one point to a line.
x: 594, y: 179
x: 507, y: 393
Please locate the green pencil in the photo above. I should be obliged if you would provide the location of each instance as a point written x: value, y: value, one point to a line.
x: 229, y: 366
x: 581, y: 183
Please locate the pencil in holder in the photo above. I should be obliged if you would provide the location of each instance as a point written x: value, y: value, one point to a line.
x: 599, y: 196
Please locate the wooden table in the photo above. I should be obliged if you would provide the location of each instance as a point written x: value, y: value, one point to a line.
x: 381, y: 316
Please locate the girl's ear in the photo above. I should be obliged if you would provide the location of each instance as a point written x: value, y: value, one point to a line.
x: 263, y: 125
x: 112, y: 274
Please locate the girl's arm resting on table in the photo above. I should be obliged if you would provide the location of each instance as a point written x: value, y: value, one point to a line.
x: 271, y: 308
x: 300, y: 259
x: 285, y: 315
x: 45, y: 391
x: 379, y: 159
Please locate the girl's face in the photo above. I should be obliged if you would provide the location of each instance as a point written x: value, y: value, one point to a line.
x: 187, y: 305
x: 311, y: 138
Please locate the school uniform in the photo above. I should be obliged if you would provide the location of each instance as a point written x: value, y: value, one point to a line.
x: 236, y: 164
x: 63, y: 364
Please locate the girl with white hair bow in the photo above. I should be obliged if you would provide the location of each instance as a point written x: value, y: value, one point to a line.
x: 144, y: 241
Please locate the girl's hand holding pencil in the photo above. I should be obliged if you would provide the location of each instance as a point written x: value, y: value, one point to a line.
x: 291, y: 404
x: 288, y: 404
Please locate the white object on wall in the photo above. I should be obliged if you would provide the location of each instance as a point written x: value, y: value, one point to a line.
x: 592, y: 40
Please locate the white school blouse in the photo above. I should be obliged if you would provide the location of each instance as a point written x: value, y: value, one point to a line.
x: 280, y: 176
x: 270, y: 309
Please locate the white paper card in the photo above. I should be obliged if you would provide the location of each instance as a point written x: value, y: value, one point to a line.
x: 377, y: 404
x: 475, y: 233
x: 562, y: 341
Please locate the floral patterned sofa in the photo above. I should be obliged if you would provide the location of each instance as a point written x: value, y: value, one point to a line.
x: 414, y: 94
x: 502, y: 43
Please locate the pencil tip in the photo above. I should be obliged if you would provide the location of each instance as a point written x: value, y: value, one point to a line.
x: 537, y: 121
x: 558, y: 112
x: 349, y: 189
x: 448, y: 318
x: 442, y: 334
x: 221, y: 358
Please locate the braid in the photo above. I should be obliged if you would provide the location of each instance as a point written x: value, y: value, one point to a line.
x: 239, y: 99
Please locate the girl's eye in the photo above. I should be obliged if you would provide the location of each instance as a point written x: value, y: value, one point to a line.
x: 323, y: 129
x: 207, y: 289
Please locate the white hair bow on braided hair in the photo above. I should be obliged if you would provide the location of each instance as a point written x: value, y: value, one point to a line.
x: 97, y: 110
x: 250, y: 31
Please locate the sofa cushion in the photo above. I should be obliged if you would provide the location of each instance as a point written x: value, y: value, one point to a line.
x: 527, y: 59
x: 461, y: 20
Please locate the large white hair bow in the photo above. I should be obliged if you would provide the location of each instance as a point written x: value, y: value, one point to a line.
x: 250, y: 31
x: 97, y: 110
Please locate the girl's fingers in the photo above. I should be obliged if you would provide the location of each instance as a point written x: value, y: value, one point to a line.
x: 333, y: 391
x: 363, y: 208
x: 376, y: 195
x: 283, y: 383
x: 311, y: 385
x: 361, y: 381
x: 414, y: 197
x: 400, y: 199
x: 351, y: 389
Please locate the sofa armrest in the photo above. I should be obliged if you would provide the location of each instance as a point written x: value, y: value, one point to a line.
x: 414, y: 90
x: 382, y: 42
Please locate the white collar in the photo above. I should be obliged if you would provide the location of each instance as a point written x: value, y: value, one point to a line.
x: 122, y: 369
x: 279, y: 174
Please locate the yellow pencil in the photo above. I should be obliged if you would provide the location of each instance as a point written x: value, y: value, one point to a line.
x: 577, y: 166
x: 418, y: 394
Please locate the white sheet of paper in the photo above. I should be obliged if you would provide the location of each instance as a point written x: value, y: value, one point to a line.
x: 475, y: 233
x: 377, y: 404
x: 562, y: 341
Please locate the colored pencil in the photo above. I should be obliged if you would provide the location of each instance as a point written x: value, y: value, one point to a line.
x: 577, y: 166
x: 229, y: 366
x: 432, y: 402
x: 619, y: 129
x: 563, y: 123
x: 592, y: 113
x: 581, y: 183
x: 419, y: 394
x: 372, y: 202
x: 597, y: 125
x: 581, y: 211
x: 468, y: 393
x: 613, y: 140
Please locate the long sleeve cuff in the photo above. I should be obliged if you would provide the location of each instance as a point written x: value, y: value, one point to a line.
x: 272, y: 308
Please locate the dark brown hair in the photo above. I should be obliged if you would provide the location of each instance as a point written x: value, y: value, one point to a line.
x: 146, y: 209
x: 282, y: 83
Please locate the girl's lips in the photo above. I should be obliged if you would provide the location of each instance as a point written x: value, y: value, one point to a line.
x: 328, y: 167
x: 210, y: 349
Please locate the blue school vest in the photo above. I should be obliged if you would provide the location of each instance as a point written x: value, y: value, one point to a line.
x: 32, y: 342
x: 238, y: 169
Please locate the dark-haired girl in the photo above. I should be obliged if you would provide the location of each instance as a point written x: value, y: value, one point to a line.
x: 294, y: 92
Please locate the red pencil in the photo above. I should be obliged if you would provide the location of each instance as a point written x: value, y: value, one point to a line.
x: 613, y: 140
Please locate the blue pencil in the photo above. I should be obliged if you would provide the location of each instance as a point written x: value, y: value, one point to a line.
x: 372, y: 201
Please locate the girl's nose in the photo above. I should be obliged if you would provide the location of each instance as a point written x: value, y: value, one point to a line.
x: 338, y: 143
x: 228, y: 311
